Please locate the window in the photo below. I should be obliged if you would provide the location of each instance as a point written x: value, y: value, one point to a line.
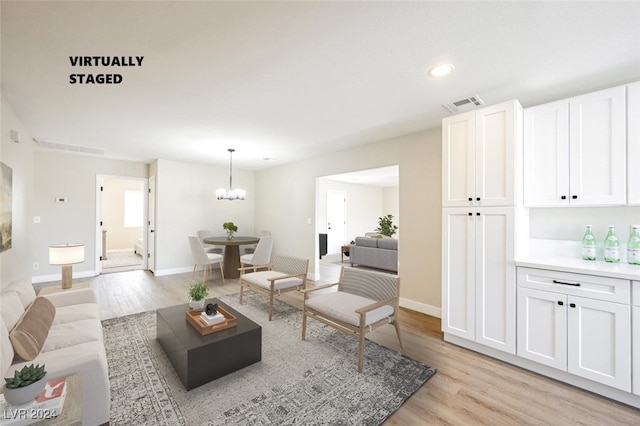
x: 133, y: 209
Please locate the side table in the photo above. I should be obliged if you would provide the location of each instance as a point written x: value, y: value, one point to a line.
x: 58, y: 288
x: 344, y: 250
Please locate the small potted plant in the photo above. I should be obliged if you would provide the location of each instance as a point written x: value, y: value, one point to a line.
x: 386, y: 226
x: 25, y: 384
x: 197, y: 294
x: 230, y: 228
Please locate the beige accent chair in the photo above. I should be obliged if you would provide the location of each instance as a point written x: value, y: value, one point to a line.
x: 204, y: 259
x: 261, y: 258
x: 286, y: 273
x: 364, y: 301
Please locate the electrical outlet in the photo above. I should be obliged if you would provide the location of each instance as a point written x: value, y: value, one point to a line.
x: 36, y: 265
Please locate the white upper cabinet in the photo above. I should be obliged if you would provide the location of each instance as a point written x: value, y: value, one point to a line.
x: 546, y: 154
x: 575, y: 151
x: 633, y: 144
x: 480, y: 155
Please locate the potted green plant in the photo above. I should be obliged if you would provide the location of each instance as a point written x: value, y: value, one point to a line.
x: 230, y: 228
x: 25, y: 384
x: 197, y: 294
x: 386, y: 226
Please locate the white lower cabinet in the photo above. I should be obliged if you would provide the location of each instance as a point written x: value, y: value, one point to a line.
x: 479, y: 289
x: 564, y: 323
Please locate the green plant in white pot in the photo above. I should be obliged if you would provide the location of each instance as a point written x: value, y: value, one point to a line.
x: 25, y: 384
x: 386, y: 226
x: 197, y: 295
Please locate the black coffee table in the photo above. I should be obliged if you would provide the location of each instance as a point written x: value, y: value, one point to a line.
x: 200, y: 359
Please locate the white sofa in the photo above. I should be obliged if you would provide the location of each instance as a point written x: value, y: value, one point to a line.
x: 74, y: 343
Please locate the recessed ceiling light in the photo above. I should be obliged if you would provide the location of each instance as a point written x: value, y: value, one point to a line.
x: 441, y: 70
x: 269, y: 159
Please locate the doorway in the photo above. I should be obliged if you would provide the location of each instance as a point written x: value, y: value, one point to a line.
x: 122, y: 212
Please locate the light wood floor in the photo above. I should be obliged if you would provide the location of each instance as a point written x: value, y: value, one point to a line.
x: 469, y: 389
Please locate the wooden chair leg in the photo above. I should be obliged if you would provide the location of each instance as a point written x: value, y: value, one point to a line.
x: 222, y: 271
x: 204, y: 274
x: 241, y: 291
x: 194, y: 271
x: 395, y: 322
x: 304, y: 323
x: 270, y: 305
x: 361, y: 347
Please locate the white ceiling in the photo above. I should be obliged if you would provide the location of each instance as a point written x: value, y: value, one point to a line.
x: 290, y: 80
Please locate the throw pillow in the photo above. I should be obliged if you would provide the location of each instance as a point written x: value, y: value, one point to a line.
x: 32, y: 330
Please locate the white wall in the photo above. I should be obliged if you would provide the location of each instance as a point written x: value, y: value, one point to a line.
x: 15, y: 263
x: 285, y: 198
x: 72, y: 176
x: 364, y: 206
x: 186, y: 203
x: 569, y: 223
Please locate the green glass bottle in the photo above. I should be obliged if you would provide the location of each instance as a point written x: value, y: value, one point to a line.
x: 611, y: 246
x: 633, y: 246
x: 589, y: 245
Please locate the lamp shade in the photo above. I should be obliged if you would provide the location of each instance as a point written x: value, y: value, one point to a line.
x: 66, y: 254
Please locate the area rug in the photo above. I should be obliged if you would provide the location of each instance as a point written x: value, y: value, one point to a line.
x: 297, y: 382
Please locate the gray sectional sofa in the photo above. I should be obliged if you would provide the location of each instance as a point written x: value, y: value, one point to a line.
x: 379, y: 253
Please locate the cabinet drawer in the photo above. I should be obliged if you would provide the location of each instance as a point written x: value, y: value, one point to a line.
x: 635, y: 293
x: 590, y: 286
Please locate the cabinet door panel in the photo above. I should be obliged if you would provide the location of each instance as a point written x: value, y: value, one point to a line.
x: 633, y: 144
x: 458, y: 289
x: 495, y: 155
x: 542, y: 327
x: 597, y: 145
x: 458, y: 160
x: 546, y: 155
x: 495, y: 278
x: 599, y: 341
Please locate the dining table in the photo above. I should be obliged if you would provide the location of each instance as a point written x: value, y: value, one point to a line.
x: 231, y: 252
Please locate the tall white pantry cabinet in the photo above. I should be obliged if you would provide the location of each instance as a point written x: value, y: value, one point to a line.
x: 481, y: 162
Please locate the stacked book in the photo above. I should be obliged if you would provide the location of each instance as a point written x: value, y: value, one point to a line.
x: 212, y: 319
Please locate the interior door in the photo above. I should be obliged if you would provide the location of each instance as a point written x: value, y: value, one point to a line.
x: 151, y: 240
x: 336, y: 220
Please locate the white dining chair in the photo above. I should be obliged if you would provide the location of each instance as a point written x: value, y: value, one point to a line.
x: 204, y: 259
x: 261, y: 257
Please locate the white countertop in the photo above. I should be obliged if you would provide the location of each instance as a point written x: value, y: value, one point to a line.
x: 565, y: 256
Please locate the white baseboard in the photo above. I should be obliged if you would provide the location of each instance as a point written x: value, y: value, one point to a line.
x: 58, y: 277
x: 172, y: 271
x: 421, y: 307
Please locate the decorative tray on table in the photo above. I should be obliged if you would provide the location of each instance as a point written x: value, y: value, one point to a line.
x: 193, y: 317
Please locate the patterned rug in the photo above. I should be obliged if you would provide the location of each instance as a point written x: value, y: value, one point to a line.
x: 297, y: 382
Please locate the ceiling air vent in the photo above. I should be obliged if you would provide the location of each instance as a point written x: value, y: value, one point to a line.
x: 70, y: 148
x: 464, y: 105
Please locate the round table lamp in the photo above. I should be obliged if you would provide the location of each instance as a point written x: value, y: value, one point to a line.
x: 66, y: 255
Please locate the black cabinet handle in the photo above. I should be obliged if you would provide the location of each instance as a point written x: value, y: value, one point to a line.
x: 470, y: 199
x: 478, y: 214
x: 564, y: 283
x: 470, y: 214
x: 575, y: 197
x: 573, y: 305
x: 564, y: 197
x: 478, y: 199
x: 560, y: 302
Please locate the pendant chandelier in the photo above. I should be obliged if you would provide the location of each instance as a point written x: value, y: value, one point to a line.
x: 231, y: 194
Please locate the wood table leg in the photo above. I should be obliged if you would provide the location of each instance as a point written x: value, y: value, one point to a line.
x: 231, y: 261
